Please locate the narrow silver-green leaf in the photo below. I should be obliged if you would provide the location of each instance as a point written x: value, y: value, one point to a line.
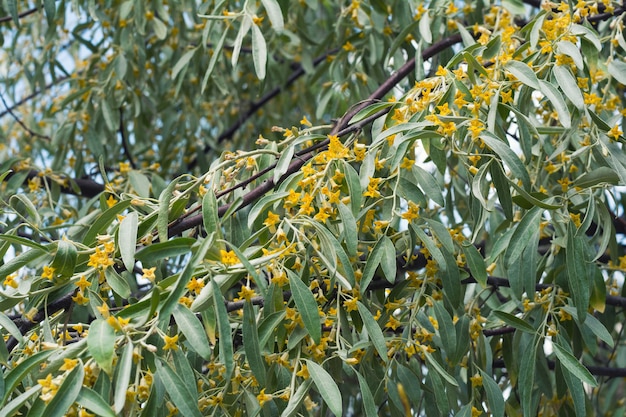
x: 64, y: 260
x: 524, y: 73
x: 127, y: 239
x: 369, y: 405
x: 259, y: 52
x: 577, y: 277
x: 251, y: 343
x: 101, y: 343
x: 122, y: 376
x: 514, y: 321
x: 307, y: 306
x: 528, y: 226
x: 91, y: 400
x: 185, y: 401
x: 66, y: 394
x: 568, y: 84
x: 504, y: 151
x: 558, y: 103
x: 476, y: 263
x: 191, y: 327
x: 495, y: 400
x: 183, y: 62
x: 296, y: 400
x: 617, y: 69
x: 326, y: 386
x: 373, y: 330
x: 571, y: 364
x: 223, y: 327
x: 272, y: 8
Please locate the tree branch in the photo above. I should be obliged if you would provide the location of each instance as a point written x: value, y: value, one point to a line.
x: 23, y: 14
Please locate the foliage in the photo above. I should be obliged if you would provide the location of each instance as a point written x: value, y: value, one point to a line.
x: 315, y: 207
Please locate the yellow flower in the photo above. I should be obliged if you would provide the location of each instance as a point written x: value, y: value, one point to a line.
x: 82, y: 283
x: 246, y: 293
x: 305, y: 122
x: 9, y: 281
x: 80, y: 298
x: 124, y: 167
x: 111, y: 201
x: 195, y: 285
x: 68, y: 364
x: 271, y: 221
x: 477, y: 380
x: 34, y: 184
x: 228, y: 257
x: 170, y: 342
x: 615, y: 133
x: 336, y: 149
x: 303, y: 372
x: 48, y: 272
x: 263, y: 397
x: 412, y: 213
x: 148, y: 273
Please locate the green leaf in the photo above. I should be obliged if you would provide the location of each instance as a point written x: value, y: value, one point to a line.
x: 526, y: 380
x: 600, y: 175
x: 160, y: 30
x: 31, y: 210
x: 164, y: 210
x: 526, y: 228
x: 351, y: 238
x: 617, y: 69
x: 429, y: 184
x: 259, y: 52
x: 182, y: 62
x: 571, y: 50
x: 243, y: 31
x: 439, y: 369
x: 251, y: 343
x: 494, y: 395
x: 514, y: 321
x: 306, y: 304
x: 91, y: 400
x: 524, y: 73
x: 373, y: 330
x: 66, y: 394
x: 572, y: 365
x: 388, y: 261
x: 101, y: 343
x: 447, y: 332
x: 185, y: 401
x: 369, y: 405
x: 122, y: 376
x: 127, y: 239
x: 118, y: 284
x: 262, y: 204
x: 191, y: 327
x: 216, y: 55
x: 272, y: 8
x: 168, y: 249
x: 577, y: 277
x: 16, y: 375
x: 20, y: 260
x: 223, y: 327
x: 558, y: 103
x: 12, y: 407
x: 12, y: 6
x: 7, y: 324
x: 509, y: 157
x: 64, y: 260
x: 476, y: 263
x: 183, y: 279
x: 568, y: 84
x: 326, y: 386
x: 103, y: 221
x: 296, y: 400
x: 373, y: 260
x: 424, y: 28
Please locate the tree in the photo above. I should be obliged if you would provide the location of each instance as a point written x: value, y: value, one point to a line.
x: 312, y: 208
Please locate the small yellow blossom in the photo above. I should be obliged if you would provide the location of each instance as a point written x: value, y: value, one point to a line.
x: 148, y: 273
x: 615, y: 133
x: 48, y: 272
x: 246, y: 293
x: 68, y: 364
x: 170, y: 342
x: 228, y: 257
x: 263, y: 397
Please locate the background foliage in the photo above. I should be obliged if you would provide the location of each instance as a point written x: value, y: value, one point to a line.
x: 315, y: 207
